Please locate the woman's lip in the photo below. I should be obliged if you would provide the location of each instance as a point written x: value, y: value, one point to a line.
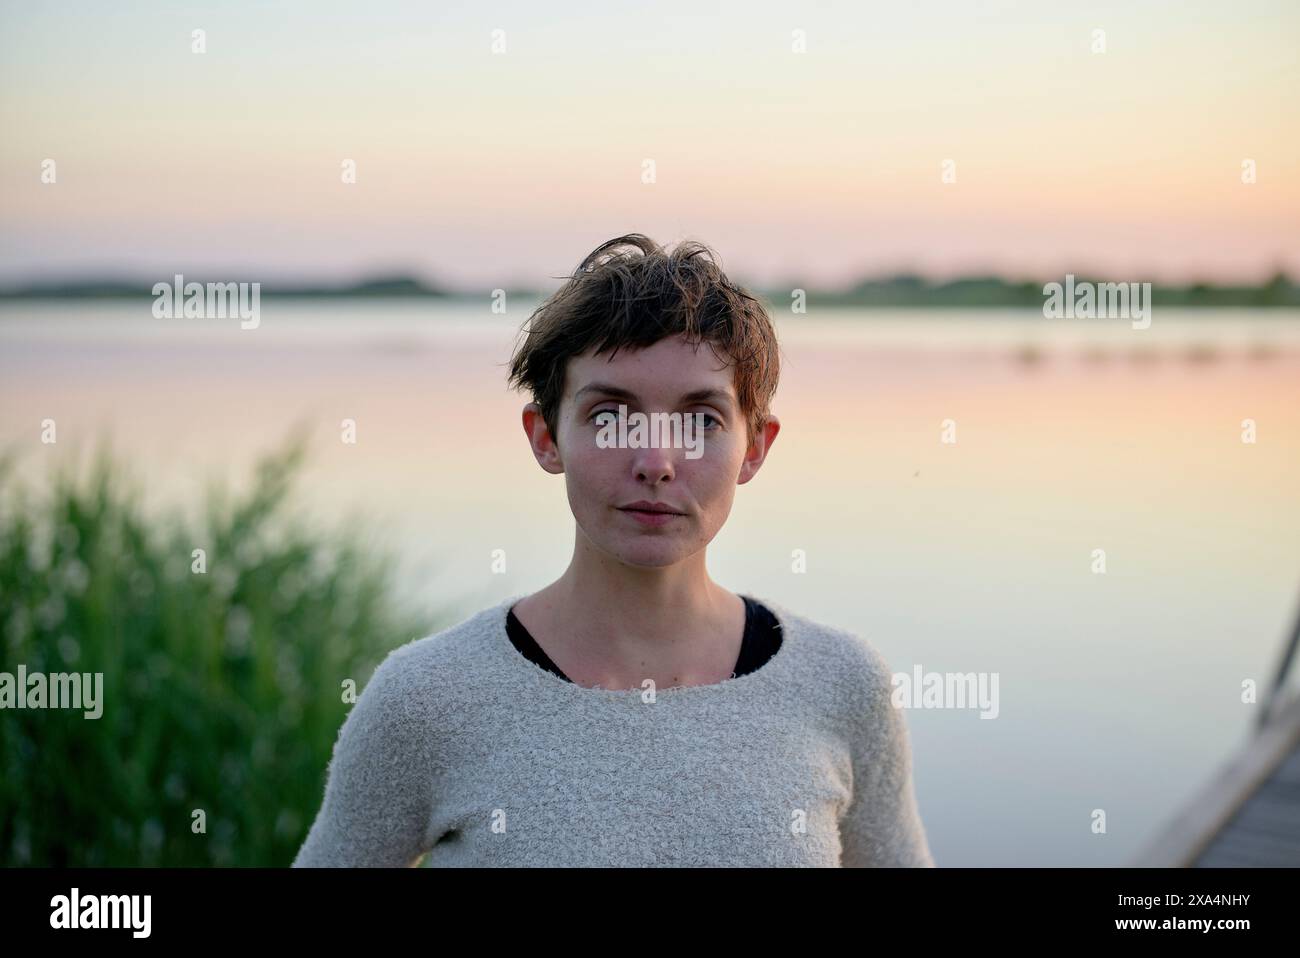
x: 651, y: 518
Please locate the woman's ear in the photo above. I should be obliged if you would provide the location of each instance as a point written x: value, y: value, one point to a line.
x: 758, y: 450
x: 545, y: 449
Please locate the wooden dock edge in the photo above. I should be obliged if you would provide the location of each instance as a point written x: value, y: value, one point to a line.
x: 1180, y: 843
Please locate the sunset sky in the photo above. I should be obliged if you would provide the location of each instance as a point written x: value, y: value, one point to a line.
x: 480, y: 169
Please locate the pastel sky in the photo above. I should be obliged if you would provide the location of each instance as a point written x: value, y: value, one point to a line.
x: 481, y: 169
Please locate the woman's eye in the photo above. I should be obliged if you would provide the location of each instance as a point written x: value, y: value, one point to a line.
x: 711, y: 421
x: 708, y: 415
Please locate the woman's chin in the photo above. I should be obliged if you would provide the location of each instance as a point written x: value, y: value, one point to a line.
x: 650, y: 556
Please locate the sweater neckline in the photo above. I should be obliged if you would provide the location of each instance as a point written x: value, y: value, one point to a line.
x: 769, y: 670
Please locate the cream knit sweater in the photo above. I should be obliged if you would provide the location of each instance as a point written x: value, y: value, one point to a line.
x: 463, y: 750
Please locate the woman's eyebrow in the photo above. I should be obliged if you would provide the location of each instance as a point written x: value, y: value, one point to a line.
x: 604, y: 388
x: 695, y: 395
x: 708, y: 395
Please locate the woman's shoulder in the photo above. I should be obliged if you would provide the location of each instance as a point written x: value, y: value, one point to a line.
x: 434, y: 670
x: 467, y: 635
x: 836, y: 657
x: 827, y: 640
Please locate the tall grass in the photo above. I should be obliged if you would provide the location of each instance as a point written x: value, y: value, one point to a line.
x: 222, y: 689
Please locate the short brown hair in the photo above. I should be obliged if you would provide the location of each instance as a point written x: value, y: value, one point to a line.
x: 630, y: 292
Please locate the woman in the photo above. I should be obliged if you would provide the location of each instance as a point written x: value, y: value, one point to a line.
x: 633, y: 712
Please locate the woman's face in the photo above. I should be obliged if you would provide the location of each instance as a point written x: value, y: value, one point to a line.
x: 693, y: 475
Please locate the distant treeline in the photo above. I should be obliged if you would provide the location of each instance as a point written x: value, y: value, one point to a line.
x: 134, y: 289
x: 991, y: 291
x: 893, y: 292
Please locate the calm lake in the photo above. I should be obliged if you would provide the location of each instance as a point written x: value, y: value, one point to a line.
x: 1118, y: 691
